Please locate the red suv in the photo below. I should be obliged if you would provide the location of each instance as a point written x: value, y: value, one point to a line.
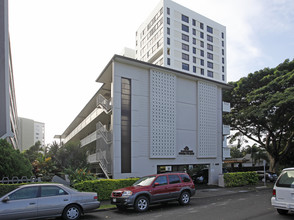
x: 154, y: 189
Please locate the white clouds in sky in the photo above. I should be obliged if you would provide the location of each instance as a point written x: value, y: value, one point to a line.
x: 59, y: 47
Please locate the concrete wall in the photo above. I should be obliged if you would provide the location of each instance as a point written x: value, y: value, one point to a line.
x: 186, y: 124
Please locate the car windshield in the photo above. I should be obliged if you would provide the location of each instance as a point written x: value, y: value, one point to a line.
x: 144, y: 181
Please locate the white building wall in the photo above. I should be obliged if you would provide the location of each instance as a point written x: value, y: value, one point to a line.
x: 186, y: 124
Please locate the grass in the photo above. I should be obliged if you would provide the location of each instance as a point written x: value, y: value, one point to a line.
x: 108, y: 206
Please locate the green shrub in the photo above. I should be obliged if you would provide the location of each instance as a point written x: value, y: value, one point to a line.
x: 104, y: 187
x: 240, y: 179
x: 6, y: 188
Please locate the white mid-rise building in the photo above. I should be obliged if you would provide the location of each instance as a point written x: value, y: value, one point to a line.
x: 30, y: 132
x: 179, y: 38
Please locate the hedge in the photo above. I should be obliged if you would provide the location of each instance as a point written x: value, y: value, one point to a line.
x: 104, y: 187
x: 240, y: 179
x: 6, y: 188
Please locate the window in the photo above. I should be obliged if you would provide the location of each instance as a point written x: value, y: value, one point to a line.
x: 202, y: 71
x: 223, y: 60
x: 210, y: 73
x: 185, y: 37
x: 286, y: 179
x: 194, y: 31
x: 201, y: 44
x: 223, y: 69
x: 210, y: 56
x: 201, y: 26
x: 185, y: 28
x: 161, y: 180
x: 194, y: 40
x: 174, y: 179
x: 194, y: 50
x: 168, y: 41
x: 25, y: 193
x: 168, y: 61
x: 209, y: 47
x: 185, y: 66
x: 168, y: 11
x: 209, y: 38
x: 223, y: 52
x: 193, y: 22
x: 202, y: 62
x: 168, y: 51
x: 185, y: 18
x: 185, y: 178
x: 223, y: 77
x: 185, y: 56
x: 223, y: 35
x: 223, y: 43
x: 201, y: 35
x: 52, y: 191
x: 185, y: 47
x: 209, y: 29
x: 194, y: 59
x: 194, y: 69
x: 168, y: 31
x: 168, y: 21
x: 210, y: 64
x: 202, y: 53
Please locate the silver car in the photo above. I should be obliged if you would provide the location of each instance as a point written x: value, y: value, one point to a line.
x: 283, y: 192
x: 46, y: 200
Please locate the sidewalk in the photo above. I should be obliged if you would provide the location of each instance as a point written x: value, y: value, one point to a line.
x: 205, y: 191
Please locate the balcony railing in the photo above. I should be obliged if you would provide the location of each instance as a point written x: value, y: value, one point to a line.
x: 226, y: 107
x: 103, y: 132
x: 89, y: 139
x: 226, y: 129
x: 106, y: 104
x: 226, y: 152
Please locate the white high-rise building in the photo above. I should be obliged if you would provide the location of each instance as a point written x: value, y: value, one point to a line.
x: 179, y: 38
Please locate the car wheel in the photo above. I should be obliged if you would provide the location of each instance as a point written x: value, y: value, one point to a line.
x: 282, y: 211
x: 184, y: 198
x: 141, y: 204
x: 71, y: 212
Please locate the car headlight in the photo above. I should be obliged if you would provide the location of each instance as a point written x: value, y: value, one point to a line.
x: 127, y: 193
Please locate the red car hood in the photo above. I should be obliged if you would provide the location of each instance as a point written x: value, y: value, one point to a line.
x: 134, y: 189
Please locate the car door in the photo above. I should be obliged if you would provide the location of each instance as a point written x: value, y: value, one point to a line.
x: 160, y: 190
x: 52, y: 201
x: 21, y: 204
x: 174, y: 186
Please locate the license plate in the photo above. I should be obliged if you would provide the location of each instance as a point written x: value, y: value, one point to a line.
x: 114, y: 199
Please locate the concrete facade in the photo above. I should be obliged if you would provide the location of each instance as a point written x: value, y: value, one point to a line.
x: 179, y: 38
x: 30, y: 132
x: 176, y: 120
x: 8, y: 111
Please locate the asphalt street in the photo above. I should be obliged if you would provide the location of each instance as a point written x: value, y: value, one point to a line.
x: 211, y: 203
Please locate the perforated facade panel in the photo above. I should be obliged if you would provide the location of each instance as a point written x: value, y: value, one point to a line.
x: 162, y: 115
x: 207, y: 99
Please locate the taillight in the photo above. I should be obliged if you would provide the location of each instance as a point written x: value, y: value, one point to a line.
x: 274, y: 193
x: 95, y: 197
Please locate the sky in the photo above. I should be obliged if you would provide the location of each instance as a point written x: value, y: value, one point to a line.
x: 59, y: 47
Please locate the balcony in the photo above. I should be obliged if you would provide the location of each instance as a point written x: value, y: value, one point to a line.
x: 226, y: 129
x: 89, y: 139
x: 92, y: 158
x: 226, y: 107
x: 226, y: 152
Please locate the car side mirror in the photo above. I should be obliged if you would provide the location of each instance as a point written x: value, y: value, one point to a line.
x: 156, y: 184
x: 6, y: 199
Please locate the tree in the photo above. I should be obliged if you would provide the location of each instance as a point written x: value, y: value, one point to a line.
x: 263, y: 110
x: 71, y: 156
x: 12, y: 162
